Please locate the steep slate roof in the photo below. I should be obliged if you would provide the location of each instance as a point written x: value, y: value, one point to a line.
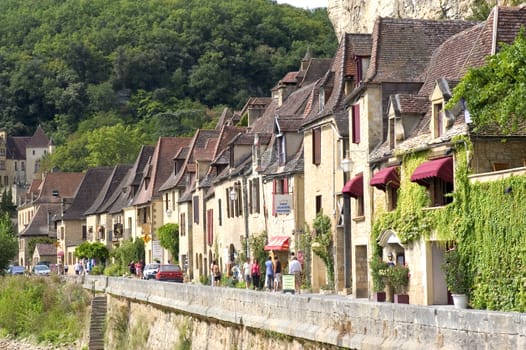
x: 39, y: 139
x: 159, y: 168
x: 402, y: 47
x: 40, y: 224
x: 106, y: 195
x: 16, y: 147
x: 342, y: 67
x: 315, y: 69
x: 46, y: 249
x: 87, y: 192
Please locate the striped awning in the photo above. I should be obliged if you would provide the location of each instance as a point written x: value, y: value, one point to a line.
x: 278, y: 243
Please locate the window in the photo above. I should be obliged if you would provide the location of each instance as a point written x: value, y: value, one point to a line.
x: 220, y: 211
x: 210, y: 226
x: 6, y: 180
x: 438, y: 192
x: 2, y: 164
x: 254, y: 196
x: 358, y: 206
x: 355, y: 123
x: 438, y: 117
x: 37, y: 166
x: 282, y: 152
x: 23, y: 166
x: 195, y: 201
x: 84, y: 233
x: 166, y: 203
x: 391, y: 192
x: 16, y: 166
x: 2, y: 152
x: 318, y: 204
x: 316, y: 146
x: 182, y: 224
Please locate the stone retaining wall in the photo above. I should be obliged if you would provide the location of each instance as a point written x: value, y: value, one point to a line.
x: 331, y: 320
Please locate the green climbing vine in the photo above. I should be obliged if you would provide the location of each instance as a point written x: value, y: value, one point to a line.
x: 487, y: 220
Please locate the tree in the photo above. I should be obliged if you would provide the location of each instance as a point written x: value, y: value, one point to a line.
x: 97, y: 251
x: 169, y: 237
x: 494, y: 93
x: 8, y: 241
x: 323, y: 244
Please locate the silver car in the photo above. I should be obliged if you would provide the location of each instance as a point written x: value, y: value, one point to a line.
x: 41, y: 270
x: 150, y: 270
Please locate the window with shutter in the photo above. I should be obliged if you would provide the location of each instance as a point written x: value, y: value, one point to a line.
x: 196, y: 209
x: 316, y: 146
x: 356, y: 123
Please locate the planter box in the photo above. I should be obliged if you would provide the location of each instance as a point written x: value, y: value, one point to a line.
x: 401, y: 298
x: 379, y: 296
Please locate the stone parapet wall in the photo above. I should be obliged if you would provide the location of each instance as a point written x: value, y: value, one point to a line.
x: 331, y: 320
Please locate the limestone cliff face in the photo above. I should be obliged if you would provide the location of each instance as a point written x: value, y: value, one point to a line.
x: 358, y: 16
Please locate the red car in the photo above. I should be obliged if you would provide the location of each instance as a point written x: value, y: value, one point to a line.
x: 169, y: 272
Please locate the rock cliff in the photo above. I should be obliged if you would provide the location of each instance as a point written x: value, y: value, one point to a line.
x: 358, y: 16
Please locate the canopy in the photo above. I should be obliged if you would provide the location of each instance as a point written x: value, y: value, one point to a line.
x: 386, y: 176
x: 441, y: 168
x: 354, y: 187
x: 278, y: 243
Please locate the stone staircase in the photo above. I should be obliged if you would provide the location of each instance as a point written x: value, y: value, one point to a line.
x: 97, y: 323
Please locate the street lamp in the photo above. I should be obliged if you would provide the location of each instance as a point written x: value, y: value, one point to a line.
x: 347, y: 163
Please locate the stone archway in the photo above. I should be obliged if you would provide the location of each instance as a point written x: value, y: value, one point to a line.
x: 391, y: 244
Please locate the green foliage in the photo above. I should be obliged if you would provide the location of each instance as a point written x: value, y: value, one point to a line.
x: 257, y: 247
x: 323, y: 244
x: 97, y: 251
x: 397, y: 277
x: 127, y: 252
x: 377, y: 266
x: 8, y: 241
x: 456, y: 276
x: 169, y: 236
x: 64, y: 62
x: 495, y: 92
x: 43, y: 308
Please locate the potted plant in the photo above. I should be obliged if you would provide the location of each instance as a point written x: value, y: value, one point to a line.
x: 399, y: 279
x: 378, y: 269
x: 456, y: 277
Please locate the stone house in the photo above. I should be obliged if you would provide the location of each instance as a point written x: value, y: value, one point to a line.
x: 44, y: 252
x: 148, y: 202
x: 325, y: 138
x: 37, y: 216
x: 426, y: 145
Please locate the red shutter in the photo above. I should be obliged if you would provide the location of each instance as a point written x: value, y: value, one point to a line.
x: 285, y: 186
x: 356, y: 123
x: 210, y: 226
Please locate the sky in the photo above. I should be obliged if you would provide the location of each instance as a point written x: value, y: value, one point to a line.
x: 311, y: 4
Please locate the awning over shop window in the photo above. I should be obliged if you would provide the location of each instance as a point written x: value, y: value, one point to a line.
x: 441, y: 168
x: 386, y: 176
x: 354, y: 187
x: 278, y: 243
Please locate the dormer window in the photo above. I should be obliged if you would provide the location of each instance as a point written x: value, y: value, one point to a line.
x: 438, y: 120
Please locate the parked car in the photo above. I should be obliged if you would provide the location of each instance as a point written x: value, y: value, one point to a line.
x: 41, y: 270
x: 16, y: 270
x: 150, y: 270
x: 169, y: 272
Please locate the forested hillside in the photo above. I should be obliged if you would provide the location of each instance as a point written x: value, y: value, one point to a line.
x: 116, y: 74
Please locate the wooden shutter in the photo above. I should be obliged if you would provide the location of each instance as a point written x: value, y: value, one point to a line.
x: 356, y: 123
x: 273, y: 194
x: 210, y: 226
x: 316, y: 146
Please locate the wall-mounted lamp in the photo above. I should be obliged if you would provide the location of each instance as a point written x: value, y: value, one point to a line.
x: 347, y: 164
x: 233, y: 194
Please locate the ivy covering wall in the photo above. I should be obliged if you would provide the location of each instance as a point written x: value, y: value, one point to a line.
x: 487, y: 220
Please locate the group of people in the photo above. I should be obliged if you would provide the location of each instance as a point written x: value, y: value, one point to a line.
x: 250, y: 273
x: 82, y: 266
x: 136, y: 268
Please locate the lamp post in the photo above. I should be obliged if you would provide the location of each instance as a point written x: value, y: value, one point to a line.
x: 347, y: 165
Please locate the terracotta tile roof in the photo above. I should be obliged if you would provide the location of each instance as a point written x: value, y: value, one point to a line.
x: 39, y: 139
x: 402, y: 47
x: 87, y: 192
x: 159, y: 168
x: 63, y: 184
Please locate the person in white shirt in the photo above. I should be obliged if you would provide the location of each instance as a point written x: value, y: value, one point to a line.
x: 295, y: 269
x: 247, y: 273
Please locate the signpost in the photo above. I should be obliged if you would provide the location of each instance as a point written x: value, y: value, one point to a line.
x: 289, y: 284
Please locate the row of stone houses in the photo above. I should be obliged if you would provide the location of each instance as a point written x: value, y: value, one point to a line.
x: 379, y: 99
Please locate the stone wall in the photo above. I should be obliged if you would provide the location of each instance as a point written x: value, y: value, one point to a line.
x: 156, y: 315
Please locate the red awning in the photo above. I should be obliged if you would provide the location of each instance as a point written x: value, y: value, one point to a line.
x: 278, y: 243
x: 386, y: 176
x: 441, y: 168
x: 354, y: 187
